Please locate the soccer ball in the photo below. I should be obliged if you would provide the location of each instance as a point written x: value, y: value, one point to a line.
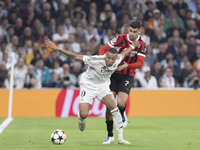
x: 58, y: 137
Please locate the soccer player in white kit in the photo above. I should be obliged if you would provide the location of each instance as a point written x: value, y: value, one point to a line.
x: 95, y: 83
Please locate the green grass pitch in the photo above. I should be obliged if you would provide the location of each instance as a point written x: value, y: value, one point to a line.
x: 144, y: 133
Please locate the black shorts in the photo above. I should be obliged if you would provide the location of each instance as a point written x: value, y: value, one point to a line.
x: 121, y: 83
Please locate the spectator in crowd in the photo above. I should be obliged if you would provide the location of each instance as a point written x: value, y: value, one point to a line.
x: 148, y: 31
x: 78, y: 10
x: 55, y: 82
x: 84, y: 25
x: 44, y: 52
x: 107, y: 36
x: 167, y: 80
x: 187, y: 18
x: 10, y: 33
x: 196, y: 15
x: 46, y: 18
x: 181, y: 53
x: 3, y: 74
x: 155, y: 20
x: 157, y: 71
x: 75, y: 47
x: 12, y: 47
x: 192, y: 29
x: 145, y: 37
x: 80, y: 38
x: 196, y: 63
x: 168, y: 57
x: 92, y: 17
x: 168, y: 21
x: 42, y: 72
x: 26, y: 35
x: 18, y: 27
x: 68, y: 26
x: 19, y: 74
x: 76, y: 70
x: 192, y: 48
x: 3, y: 26
x: 92, y: 34
x: 192, y: 81
x: 31, y: 80
x: 150, y: 56
x: 50, y: 29
x: 162, y: 52
x: 107, y: 13
x: 179, y: 5
x: 149, y: 13
x: 175, y: 69
x: 27, y: 46
x: 94, y: 47
x: 147, y: 81
x: 186, y: 71
x: 29, y: 16
x: 49, y: 61
x: 68, y: 80
x: 40, y: 34
x: 2, y: 50
x: 100, y: 30
x: 175, y: 34
x: 60, y: 37
x: 170, y: 31
x: 56, y: 68
x: 31, y: 54
x: 136, y: 83
x: 159, y: 35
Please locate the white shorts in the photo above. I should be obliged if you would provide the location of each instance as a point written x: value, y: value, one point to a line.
x: 87, y: 93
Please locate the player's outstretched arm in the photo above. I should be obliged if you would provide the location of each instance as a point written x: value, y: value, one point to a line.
x: 68, y: 53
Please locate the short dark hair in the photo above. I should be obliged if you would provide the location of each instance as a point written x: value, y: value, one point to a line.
x: 112, y: 50
x: 136, y: 24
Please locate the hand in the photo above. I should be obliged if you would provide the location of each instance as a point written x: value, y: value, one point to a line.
x: 122, y: 67
x: 51, y: 45
x: 32, y: 82
x: 136, y: 43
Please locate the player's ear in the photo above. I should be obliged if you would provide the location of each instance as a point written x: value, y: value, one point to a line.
x: 139, y: 31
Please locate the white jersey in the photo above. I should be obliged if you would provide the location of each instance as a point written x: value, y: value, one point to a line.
x: 98, y: 72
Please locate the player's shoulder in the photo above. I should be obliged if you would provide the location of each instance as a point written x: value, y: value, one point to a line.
x: 94, y: 58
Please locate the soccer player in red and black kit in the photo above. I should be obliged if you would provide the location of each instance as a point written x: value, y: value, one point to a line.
x: 122, y: 78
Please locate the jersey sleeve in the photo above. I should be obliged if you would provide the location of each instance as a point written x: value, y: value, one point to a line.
x: 116, y: 42
x: 142, y: 51
x: 119, y: 59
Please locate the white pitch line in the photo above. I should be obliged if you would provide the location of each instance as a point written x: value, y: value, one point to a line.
x: 5, y: 124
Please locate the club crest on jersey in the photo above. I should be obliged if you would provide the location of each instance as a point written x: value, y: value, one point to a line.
x: 89, y: 58
x: 132, y: 53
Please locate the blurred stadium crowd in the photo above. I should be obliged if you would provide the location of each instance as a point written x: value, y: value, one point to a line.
x: 170, y: 31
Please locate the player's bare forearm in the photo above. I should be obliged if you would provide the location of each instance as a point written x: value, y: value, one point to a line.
x: 122, y: 67
x: 68, y: 53
x: 125, y: 52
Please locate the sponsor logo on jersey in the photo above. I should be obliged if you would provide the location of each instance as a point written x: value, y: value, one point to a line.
x: 132, y: 53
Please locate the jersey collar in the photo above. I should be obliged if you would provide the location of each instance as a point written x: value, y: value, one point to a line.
x: 132, y: 41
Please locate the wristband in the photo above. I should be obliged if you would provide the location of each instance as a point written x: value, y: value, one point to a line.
x: 132, y: 46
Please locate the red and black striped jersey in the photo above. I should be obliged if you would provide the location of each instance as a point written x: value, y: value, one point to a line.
x: 121, y: 42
